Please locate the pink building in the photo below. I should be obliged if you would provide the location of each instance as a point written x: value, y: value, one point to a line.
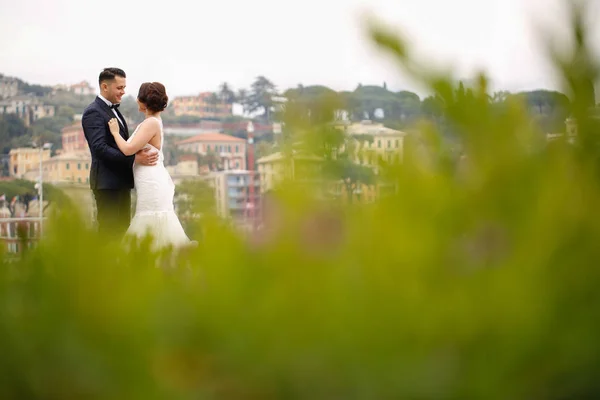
x: 73, y: 139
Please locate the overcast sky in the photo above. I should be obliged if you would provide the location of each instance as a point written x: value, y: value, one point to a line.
x: 193, y: 46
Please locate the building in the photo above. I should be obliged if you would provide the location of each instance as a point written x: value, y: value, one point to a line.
x: 374, y: 141
x: 82, y: 88
x: 73, y: 138
x: 300, y: 167
x: 68, y: 168
x: 26, y: 160
x: 227, y: 152
x: 9, y: 87
x: 205, y: 105
x: 28, y: 108
x: 237, y: 197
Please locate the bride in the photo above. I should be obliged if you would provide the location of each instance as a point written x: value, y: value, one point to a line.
x: 154, y: 212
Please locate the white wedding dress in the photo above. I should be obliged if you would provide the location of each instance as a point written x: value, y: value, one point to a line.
x: 154, y: 211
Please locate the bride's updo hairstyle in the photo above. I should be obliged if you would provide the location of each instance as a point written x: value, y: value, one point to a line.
x: 154, y: 96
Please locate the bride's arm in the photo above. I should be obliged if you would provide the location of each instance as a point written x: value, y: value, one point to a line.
x: 145, y: 133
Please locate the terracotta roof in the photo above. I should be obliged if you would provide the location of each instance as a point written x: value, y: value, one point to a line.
x: 211, y: 137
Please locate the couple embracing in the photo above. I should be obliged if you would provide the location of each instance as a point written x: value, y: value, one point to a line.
x: 121, y: 162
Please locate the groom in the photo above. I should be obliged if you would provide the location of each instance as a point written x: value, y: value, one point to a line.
x: 111, y: 174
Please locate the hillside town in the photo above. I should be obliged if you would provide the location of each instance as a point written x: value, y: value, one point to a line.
x: 234, y: 159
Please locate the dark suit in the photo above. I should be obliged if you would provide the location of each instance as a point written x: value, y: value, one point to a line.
x: 111, y: 175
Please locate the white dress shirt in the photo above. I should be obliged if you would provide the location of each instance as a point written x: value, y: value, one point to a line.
x: 108, y: 103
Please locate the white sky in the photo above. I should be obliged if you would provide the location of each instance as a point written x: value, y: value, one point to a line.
x: 193, y: 46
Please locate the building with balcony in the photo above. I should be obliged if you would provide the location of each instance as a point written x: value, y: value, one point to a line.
x: 237, y: 197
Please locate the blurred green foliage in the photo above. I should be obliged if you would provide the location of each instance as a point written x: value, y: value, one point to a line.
x: 475, y: 280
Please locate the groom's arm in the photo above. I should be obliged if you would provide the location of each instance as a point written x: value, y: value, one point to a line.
x: 95, y: 132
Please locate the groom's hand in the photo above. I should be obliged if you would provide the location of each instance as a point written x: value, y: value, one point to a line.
x: 146, y: 157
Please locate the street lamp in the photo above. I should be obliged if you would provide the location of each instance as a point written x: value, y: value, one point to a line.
x: 40, y: 185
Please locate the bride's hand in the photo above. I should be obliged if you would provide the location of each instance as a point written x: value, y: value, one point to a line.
x: 113, y: 125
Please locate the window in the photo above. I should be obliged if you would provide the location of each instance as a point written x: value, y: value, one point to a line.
x: 87, y: 166
x: 379, y: 143
x: 79, y: 166
x: 68, y: 166
x: 237, y: 148
x: 397, y: 143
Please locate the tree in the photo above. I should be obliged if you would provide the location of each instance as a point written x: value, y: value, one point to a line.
x: 226, y: 94
x: 49, y: 129
x: 261, y: 97
x: 210, y: 159
x: 11, y: 127
x: 242, y: 98
x: 65, y: 111
x: 433, y: 107
x: 195, y: 199
x: 25, y: 191
x: 500, y: 96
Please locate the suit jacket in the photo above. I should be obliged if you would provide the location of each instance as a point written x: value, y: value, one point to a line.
x: 111, y: 169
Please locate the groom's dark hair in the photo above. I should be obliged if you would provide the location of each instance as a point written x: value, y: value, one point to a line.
x: 108, y: 74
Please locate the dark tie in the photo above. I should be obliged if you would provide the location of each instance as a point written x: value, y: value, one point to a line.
x: 115, y: 106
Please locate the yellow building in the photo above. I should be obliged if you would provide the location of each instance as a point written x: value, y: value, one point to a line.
x: 26, y: 159
x: 68, y: 168
x: 201, y: 106
x: 373, y: 141
x: 276, y: 168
